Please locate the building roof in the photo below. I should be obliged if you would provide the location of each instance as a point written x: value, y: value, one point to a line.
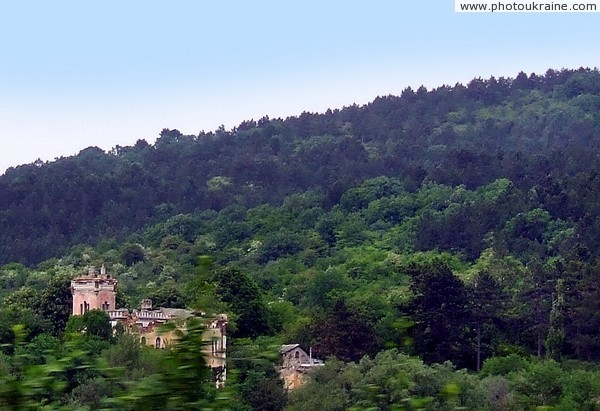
x: 177, y: 312
x: 288, y: 347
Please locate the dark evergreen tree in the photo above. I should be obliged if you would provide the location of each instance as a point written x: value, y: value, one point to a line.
x: 243, y: 296
x: 487, y: 303
x: 534, y: 306
x: 440, y: 313
x: 344, y: 334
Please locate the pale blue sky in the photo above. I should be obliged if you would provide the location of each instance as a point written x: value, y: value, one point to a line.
x: 79, y: 73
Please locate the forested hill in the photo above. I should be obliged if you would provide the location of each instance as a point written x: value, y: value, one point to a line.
x: 530, y: 144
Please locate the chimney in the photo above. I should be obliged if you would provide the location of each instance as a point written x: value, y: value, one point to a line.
x: 146, y: 304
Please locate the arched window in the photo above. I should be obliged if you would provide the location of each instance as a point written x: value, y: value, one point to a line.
x: 297, y: 354
x: 157, y: 344
x: 143, y: 340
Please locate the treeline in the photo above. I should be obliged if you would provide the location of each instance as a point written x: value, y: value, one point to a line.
x: 392, y: 381
x: 540, y: 132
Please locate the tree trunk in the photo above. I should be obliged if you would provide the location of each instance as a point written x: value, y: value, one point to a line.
x: 478, y: 347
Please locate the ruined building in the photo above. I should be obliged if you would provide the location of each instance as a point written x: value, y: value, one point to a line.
x: 94, y: 291
x: 296, y: 365
x: 98, y: 291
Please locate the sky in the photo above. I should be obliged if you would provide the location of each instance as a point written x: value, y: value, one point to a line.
x: 75, y: 74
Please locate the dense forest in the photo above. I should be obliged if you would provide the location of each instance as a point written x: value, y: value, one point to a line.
x: 440, y: 249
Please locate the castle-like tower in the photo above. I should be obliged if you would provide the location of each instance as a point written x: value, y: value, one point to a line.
x: 94, y: 291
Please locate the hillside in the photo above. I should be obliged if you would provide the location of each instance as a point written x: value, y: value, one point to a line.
x: 440, y: 249
x: 539, y: 132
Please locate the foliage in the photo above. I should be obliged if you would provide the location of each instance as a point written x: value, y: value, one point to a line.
x: 256, y: 382
x: 439, y: 311
x: 242, y: 294
x: 94, y: 323
x: 344, y: 334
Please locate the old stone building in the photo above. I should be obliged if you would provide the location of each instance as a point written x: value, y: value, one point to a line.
x: 98, y: 290
x: 296, y: 365
x: 94, y: 291
x: 293, y: 356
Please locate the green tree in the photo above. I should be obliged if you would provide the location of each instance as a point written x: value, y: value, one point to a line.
x: 132, y: 253
x: 243, y: 296
x: 167, y: 295
x: 535, y: 304
x: 541, y: 384
x: 439, y: 310
x: 487, y: 301
x: 56, y: 303
x: 581, y: 310
x: 345, y: 334
x: 556, y: 330
x: 94, y: 323
x: 256, y: 382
